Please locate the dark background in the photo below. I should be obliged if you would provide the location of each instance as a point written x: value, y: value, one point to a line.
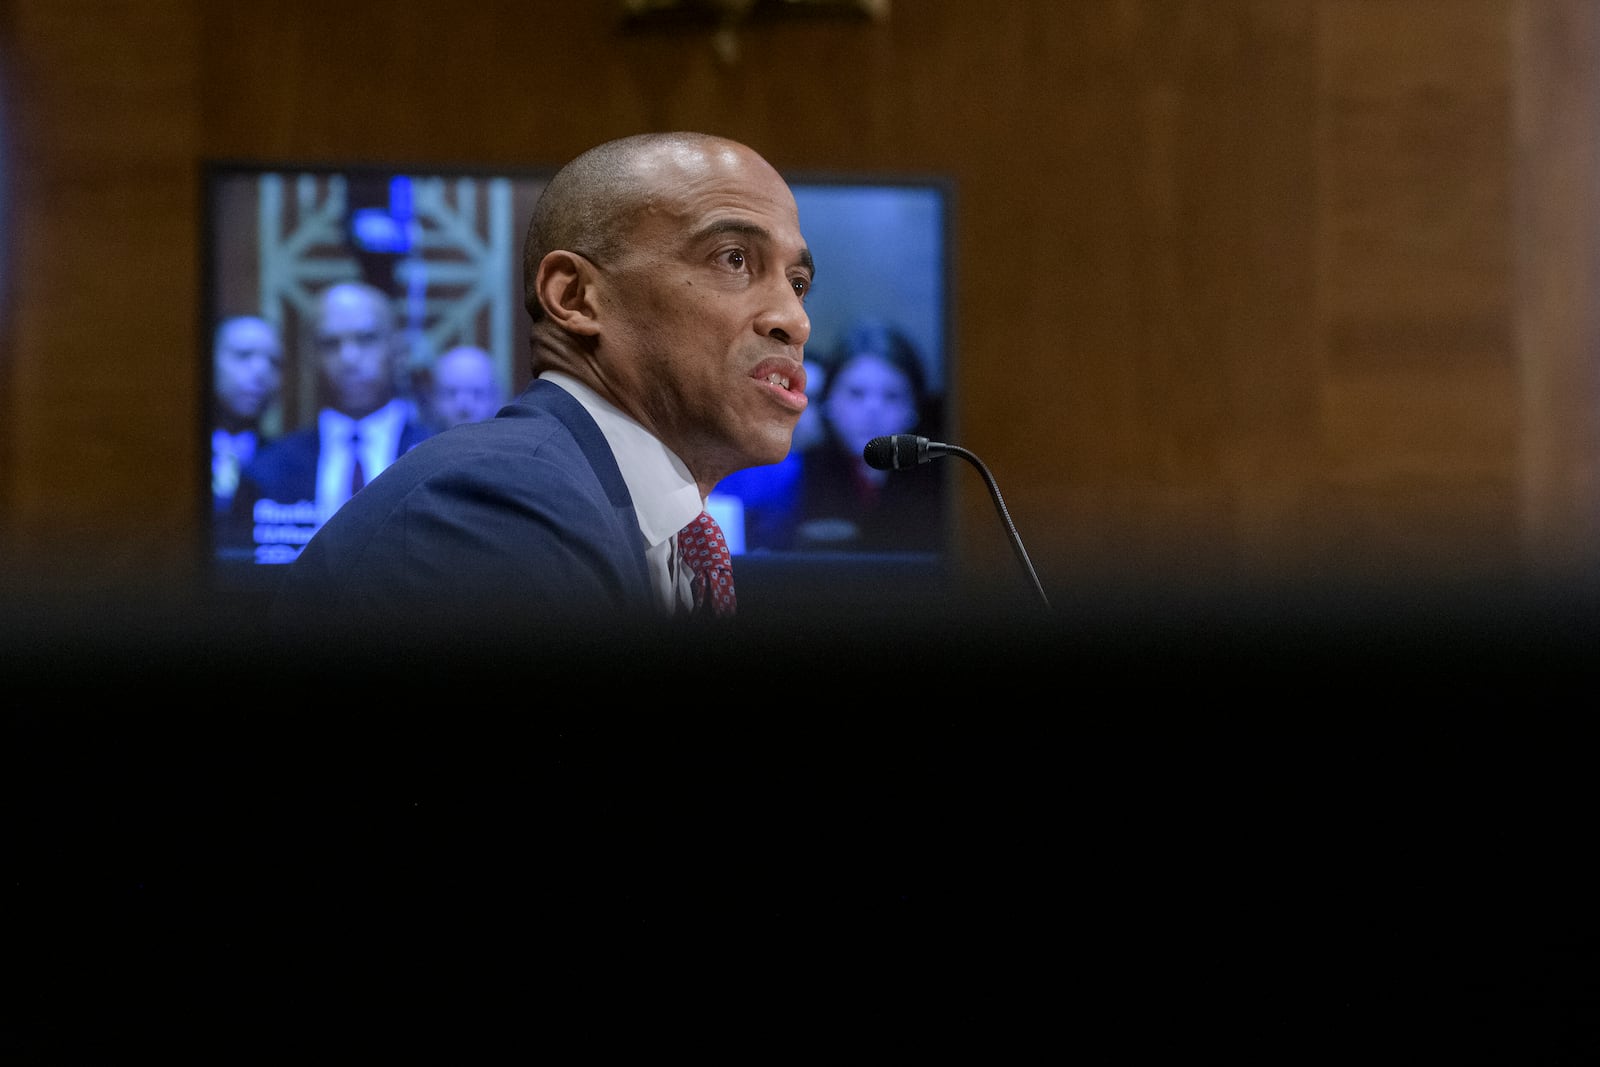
x: 1061, y: 837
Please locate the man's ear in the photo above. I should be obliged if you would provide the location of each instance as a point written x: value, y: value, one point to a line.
x: 566, y: 286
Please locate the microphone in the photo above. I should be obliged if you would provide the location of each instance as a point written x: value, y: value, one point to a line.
x: 901, y: 451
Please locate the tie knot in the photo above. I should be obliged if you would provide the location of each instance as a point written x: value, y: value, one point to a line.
x: 704, y: 551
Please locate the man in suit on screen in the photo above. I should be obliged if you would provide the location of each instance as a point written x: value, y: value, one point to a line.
x: 297, y: 481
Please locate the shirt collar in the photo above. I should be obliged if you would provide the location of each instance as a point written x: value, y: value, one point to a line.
x: 221, y: 439
x: 664, y: 493
x: 338, y: 425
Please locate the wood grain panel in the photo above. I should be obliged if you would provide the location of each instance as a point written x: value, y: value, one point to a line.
x: 1419, y: 376
x: 1555, y: 230
x: 105, y: 371
x: 1157, y: 281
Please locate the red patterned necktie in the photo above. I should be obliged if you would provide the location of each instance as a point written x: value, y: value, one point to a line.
x: 701, y: 546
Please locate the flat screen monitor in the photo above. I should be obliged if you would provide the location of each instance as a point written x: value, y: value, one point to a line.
x: 443, y: 246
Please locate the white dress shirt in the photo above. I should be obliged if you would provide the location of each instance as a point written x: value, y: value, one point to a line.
x: 664, y: 493
x: 380, y: 443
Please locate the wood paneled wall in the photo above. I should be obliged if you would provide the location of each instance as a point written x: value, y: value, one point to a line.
x: 1246, y: 289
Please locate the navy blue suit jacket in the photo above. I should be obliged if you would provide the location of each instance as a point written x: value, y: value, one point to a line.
x: 526, y: 513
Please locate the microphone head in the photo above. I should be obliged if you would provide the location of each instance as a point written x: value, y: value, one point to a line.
x: 900, y: 451
x: 880, y: 454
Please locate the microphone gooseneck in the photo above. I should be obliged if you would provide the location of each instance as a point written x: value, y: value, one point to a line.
x: 904, y: 450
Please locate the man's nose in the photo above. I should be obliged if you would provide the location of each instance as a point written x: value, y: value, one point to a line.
x: 786, y: 320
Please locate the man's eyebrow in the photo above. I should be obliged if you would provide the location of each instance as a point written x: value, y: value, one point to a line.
x: 751, y: 230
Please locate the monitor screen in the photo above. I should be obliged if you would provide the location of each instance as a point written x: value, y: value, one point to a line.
x: 441, y: 249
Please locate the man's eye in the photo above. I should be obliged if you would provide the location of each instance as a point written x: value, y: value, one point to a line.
x: 801, y: 287
x: 735, y: 258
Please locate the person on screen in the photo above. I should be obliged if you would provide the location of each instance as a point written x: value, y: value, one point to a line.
x: 665, y: 275
x: 876, y: 386
x: 463, y: 387
x: 363, y: 424
x: 247, y: 373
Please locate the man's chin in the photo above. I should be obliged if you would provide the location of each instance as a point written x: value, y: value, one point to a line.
x: 778, y: 455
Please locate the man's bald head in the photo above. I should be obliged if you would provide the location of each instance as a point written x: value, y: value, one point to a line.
x: 669, y: 275
x: 590, y: 204
x: 357, y: 347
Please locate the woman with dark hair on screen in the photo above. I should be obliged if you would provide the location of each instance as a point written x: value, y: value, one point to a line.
x: 876, y: 386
